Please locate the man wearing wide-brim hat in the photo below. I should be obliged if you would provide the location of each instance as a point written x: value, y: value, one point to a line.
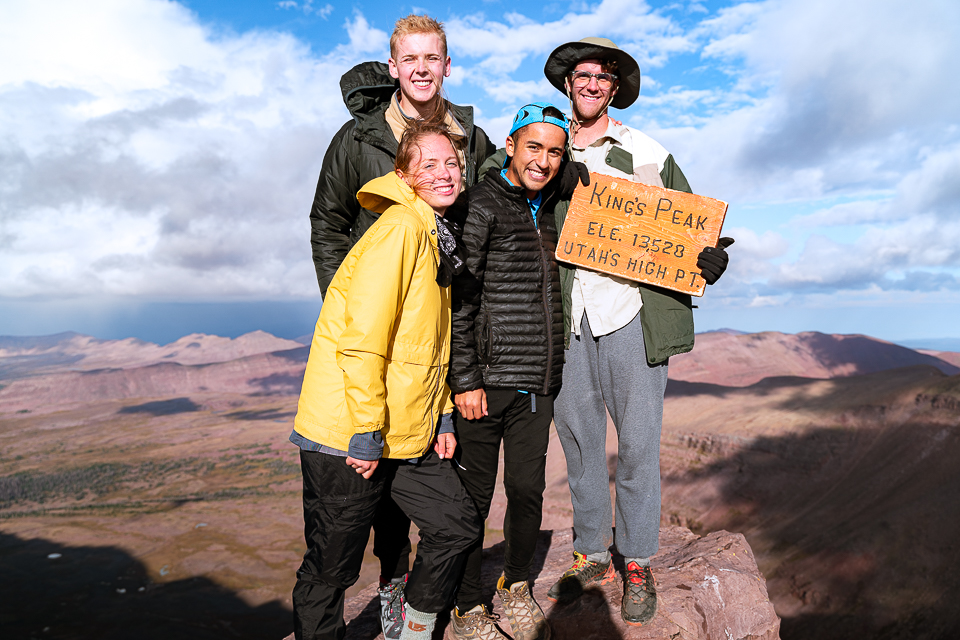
x: 621, y: 334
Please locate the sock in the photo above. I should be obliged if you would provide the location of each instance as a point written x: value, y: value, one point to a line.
x: 603, y: 557
x: 418, y: 625
x: 643, y: 562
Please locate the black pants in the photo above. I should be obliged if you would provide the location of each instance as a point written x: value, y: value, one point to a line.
x: 525, y: 436
x: 391, y: 539
x: 338, y: 509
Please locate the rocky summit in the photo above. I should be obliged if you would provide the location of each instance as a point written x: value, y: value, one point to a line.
x: 709, y: 587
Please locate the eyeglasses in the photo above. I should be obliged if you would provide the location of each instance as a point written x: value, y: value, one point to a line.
x: 582, y: 78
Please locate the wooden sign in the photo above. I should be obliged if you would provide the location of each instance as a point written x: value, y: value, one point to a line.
x: 638, y: 232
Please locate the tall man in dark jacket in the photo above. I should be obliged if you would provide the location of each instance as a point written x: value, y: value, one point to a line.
x: 381, y: 99
x: 507, y: 358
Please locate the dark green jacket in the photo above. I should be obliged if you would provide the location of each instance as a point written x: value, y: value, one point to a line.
x: 365, y: 148
x: 666, y: 316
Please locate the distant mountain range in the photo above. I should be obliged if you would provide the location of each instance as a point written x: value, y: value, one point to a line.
x: 70, y: 368
x: 741, y: 359
x: 27, y: 356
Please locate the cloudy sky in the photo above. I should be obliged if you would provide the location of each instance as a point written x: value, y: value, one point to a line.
x: 160, y: 155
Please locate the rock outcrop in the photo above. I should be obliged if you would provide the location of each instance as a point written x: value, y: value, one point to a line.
x: 709, y: 589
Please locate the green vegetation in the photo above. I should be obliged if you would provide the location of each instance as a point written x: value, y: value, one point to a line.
x: 144, y: 482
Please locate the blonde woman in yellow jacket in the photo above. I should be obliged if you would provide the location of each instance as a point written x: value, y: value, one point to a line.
x: 375, y: 410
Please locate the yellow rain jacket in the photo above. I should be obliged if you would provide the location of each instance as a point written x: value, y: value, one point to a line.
x: 381, y: 347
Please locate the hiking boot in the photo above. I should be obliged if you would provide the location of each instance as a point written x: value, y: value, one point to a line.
x: 583, y: 572
x: 523, y: 612
x: 475, y: 624
x: 391, y: 607
x: 639, y: 604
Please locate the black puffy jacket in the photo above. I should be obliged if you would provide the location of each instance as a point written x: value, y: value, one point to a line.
x: 365, y: 148
x: 507, y: 310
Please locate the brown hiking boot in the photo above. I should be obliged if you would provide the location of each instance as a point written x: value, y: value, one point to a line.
x: 523, y: 612
x: 475, y: 624
x: 583, y: 572
x: 639, y: 604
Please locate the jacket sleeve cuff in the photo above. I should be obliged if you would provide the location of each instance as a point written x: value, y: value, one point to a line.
x: 446, y: 423
x: 470, y: 381
x: 366, y: 446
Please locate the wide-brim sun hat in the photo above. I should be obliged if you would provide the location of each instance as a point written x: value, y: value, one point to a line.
x: 565, y: 57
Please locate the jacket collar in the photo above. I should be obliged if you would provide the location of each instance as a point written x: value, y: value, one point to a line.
x: 614, y: 132
x: 549, y: 192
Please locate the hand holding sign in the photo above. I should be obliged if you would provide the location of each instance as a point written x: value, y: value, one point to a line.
x: 712, y: 261
x: 643, y: 233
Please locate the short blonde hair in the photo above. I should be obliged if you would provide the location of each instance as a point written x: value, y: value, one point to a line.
x: 417, y: 24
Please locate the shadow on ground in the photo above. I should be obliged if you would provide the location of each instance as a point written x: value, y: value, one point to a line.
x: 104, y: 593
x: 565, y: 622
x: 856, y: 520
x: 163, y: 407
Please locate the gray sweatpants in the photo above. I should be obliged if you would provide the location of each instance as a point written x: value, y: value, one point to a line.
x: 601, y: 374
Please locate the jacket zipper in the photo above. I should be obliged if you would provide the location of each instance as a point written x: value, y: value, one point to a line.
x: 546, y: 309
x: 433, y: 403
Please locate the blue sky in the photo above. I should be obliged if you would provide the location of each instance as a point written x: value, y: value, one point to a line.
x: 159, y: 156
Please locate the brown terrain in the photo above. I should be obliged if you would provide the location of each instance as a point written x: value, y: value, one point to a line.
x: 149, y: 490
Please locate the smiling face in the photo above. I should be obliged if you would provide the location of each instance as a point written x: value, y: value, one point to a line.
x: 535, y: 156
x: 590, y: 100
x: 420, y: 64
x: 434, y: 172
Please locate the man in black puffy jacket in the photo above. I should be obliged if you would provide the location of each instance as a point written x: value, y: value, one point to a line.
x: 382, y: 99
x: 507, y: 358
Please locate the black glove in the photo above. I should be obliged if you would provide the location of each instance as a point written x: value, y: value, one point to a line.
x: 572, y: 173
x: 712, y: 261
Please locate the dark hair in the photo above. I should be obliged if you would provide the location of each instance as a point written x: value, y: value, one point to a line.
x: 609, y: 65
x: 552, y: 112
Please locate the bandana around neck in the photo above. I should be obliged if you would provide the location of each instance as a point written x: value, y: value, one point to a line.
x: 451, y: 253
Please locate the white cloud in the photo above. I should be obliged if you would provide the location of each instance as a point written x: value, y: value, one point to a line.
x: 850, y: 103
x: 918, y: 254
x: 501, y: 46
x: 364, y: 39
x: 307, y: 7
x: 140, y: 155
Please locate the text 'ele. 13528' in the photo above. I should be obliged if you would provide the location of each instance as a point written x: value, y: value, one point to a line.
x: 639, y: 232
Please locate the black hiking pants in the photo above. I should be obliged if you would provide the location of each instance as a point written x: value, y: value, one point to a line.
x: 525, y: 435
x: 338, y: 508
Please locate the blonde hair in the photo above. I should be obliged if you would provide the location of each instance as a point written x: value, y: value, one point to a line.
x: 417, y: 24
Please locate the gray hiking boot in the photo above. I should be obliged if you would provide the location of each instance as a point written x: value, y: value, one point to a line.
x: 475, y: 624
x: 391, y: 607
x: 523, y: 612
x: 583, y: 572
x: 639, y: 604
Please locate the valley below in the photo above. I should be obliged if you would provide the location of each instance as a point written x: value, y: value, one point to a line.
x: 151, y: 491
